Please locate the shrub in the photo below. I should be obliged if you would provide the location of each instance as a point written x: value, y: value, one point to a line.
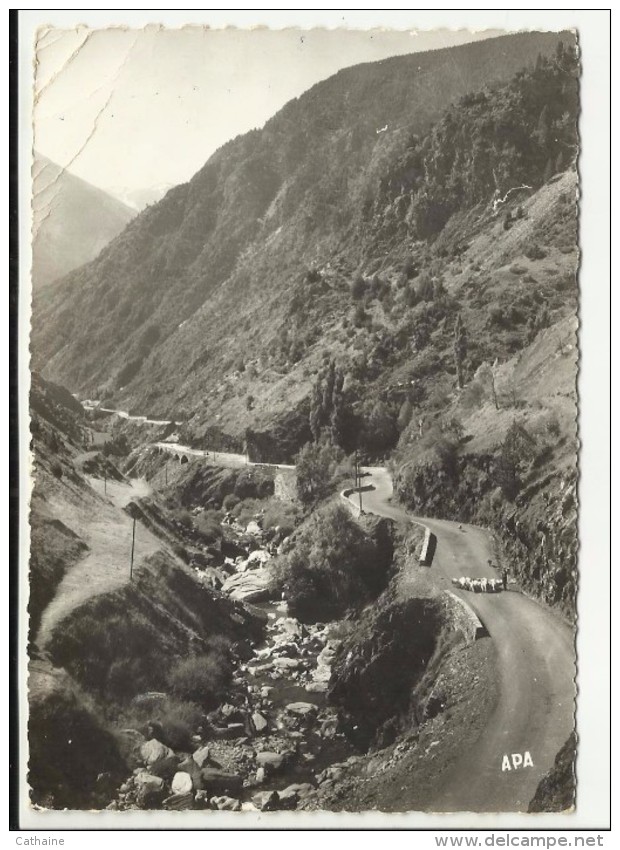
x: 535, y: 252
x: 516, y: 450
x: 69, y: 747
x: 317, y: 471
x: 246, y: 510
x: 119, y: 447
x: 360, y: 317
x: 358, y: 288
x: 253, y: 484
x: 542, y: 456
x: 128, y: 372
x: 201, y: 679
x: 446, y: 451
x: 179, y: 721
x: 281, y: 515
x: 473, y: 395
x: 95, y: 643
x: 333, y: 564
x: 209, y: 525
x: 230, y: 501
x: 553, y: 425
x: 496, y: 317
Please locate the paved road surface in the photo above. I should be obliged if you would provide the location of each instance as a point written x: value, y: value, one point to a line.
x: 219, y: 458
x: 535, y: 652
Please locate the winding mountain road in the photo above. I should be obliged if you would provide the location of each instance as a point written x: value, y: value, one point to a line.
x: 536, y: 657
x: 534, y: 713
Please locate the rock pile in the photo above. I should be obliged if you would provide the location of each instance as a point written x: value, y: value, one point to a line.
x: 258, y: 750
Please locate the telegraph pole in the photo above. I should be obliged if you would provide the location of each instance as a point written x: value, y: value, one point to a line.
x: 133, y: 544
x: 359, y: 491
x: 358, y: 480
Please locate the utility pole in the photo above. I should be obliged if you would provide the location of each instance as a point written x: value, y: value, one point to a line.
x: 359, y: 490
x: 133, y: 543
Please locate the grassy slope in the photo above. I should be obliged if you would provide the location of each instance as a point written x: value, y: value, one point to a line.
x: 101, y: 638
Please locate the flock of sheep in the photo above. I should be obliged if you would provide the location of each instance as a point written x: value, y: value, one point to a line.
x: 479, y: 585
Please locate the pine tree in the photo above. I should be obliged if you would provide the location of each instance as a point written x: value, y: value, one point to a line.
x: 327, y: 405
x: 404, y: 415
x: 316, y: 411
x: 328, y: 390
x: 460, y: 349
x: 337, y: 419
x: 544, y: 127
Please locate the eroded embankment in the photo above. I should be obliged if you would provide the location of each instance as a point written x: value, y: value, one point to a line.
x: 537, y: 532
x: 161, y: 634
x: 413, y: 687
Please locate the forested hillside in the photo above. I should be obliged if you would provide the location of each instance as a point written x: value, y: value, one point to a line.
x: 217, y: 304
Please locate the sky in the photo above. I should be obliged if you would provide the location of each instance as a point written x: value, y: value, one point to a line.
x: 140, y: 108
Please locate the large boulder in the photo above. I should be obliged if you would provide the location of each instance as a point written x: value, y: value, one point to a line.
x: 201, y: 756
x: 300, y: 790
x: 190, y: 767
x: 266, y: 801
x: 153, y: 751
x: 288, y: 799
x: 257, y: 558
x: 271, y: 762
x: 259, y: 722
x: 165, y: 767
x: 182, y: 783
x: 284, y: 663
x: 302, y: 709
x: 219, y: 782
x: 226, y: 804
x: 149, y: 782
x: 290, y: 629
x: 150, y: 790
x: 179, y: 802
x: 227, y: 733
x: 249, y: 586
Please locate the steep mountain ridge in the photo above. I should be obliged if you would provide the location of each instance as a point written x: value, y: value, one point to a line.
x: 187, y: 313
x: 72, y: 221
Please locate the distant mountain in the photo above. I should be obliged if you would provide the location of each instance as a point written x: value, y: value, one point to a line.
x: 73, y: 221
x: 139, y: 199
x: 325, y: 234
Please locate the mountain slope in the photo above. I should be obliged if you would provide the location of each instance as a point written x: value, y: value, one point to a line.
x: 72, y: 221
x: 211, y: 305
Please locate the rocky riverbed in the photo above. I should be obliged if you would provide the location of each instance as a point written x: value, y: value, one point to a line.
x: 275, y: 741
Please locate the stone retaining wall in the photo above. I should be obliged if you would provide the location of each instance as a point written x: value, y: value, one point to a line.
x: 429, y: 544
x: 285, y: 486
x: 464, y: 617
